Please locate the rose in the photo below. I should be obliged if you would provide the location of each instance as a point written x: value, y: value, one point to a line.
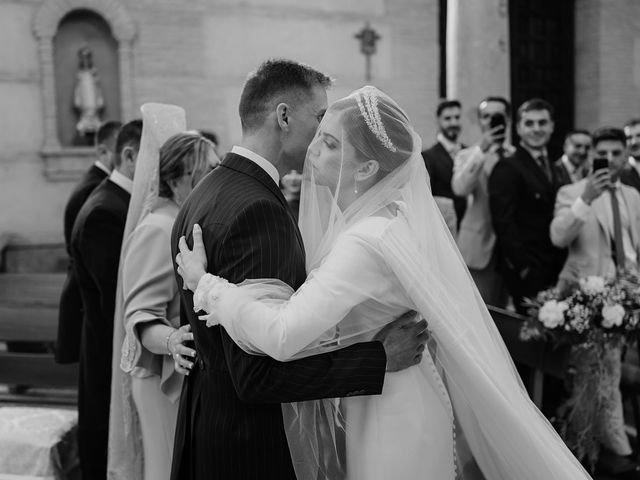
x: 593, y: 284
x: 612, y: 315
x: 552, y: 313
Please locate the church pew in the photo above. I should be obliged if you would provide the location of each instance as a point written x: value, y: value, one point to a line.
x: 29, y: 313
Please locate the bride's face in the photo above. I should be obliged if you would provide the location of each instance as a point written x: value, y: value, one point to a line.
x: 332, y: 158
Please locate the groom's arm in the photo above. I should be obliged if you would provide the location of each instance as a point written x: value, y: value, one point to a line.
x: 260, y: 245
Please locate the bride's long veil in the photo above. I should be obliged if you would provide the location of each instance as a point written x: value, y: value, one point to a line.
x: 125, y: 462
x: 508, y: 436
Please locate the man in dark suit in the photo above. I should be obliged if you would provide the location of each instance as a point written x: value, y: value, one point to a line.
x: 574, y: 164
x: 230, y: 422
x: 95, y: 248
x: 70, y: 313
x: 631, y: 173
x: 439, y: 159
x: 522, y: 193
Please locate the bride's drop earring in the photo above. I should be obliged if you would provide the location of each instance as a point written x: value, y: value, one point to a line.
x: 355, y: 190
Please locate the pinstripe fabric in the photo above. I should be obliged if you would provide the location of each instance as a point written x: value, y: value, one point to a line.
x: 230, y: 420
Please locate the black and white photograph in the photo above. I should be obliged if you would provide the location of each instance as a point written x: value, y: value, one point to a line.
x: 336, y: 240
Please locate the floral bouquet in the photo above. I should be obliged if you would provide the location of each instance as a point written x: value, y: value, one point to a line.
x: 594, y: 318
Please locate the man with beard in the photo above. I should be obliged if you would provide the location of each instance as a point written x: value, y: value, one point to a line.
x: 522, y: 194
x: 631, y: 173
x: 439, y: 160
x: 573, y: 166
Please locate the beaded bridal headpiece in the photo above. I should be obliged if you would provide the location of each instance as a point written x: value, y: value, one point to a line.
x: 368, y: 103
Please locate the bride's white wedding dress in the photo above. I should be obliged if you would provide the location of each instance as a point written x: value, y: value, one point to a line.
x: 404, y: 433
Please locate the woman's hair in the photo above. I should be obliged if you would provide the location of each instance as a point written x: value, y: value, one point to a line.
x: 181, y: 153
x: 376, y: 127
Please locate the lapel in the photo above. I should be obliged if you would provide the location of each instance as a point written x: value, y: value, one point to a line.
x: 533, y: 166
x: 244, y: 166
x: 445, y: 156
x: 601, y: 213
x: 631, y: 213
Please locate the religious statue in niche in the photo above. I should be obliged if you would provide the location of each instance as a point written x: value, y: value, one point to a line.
x: 87, y: 100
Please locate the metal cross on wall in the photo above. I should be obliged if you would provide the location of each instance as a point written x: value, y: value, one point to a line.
x: 368, y: 38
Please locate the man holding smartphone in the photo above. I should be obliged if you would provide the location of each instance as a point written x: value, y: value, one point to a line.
x: 598, y: 219
x: 476, y: 238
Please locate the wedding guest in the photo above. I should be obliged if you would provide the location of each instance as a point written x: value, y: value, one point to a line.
x: 212, y: 137
x: 476, y: 238
x: 522, y: 192
x: 630, y: 175
x: 439, y: 162
x: 598, y: 219
x: 95, y: 249
x: 153, y: 352
x: 70, y: 312
x: 574, y: 164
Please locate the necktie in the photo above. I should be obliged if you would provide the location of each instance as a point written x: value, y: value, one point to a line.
x: 618, y: 254
x: 544, y: 165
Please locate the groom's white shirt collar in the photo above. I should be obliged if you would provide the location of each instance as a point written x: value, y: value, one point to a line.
x: 102, y: 167
x: 123, y: 182
x: 262, y: 162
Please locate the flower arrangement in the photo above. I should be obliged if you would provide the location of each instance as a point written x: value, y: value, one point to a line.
x: 593, y: 310
x: 593, y: 318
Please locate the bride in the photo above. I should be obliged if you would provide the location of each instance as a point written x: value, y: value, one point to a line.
x: 377, y: 246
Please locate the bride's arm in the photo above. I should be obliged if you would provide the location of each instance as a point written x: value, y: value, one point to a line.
x: 282, y: 327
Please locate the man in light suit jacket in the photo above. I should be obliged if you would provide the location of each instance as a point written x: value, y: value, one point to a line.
x: 70, y: 312
x: 476, y: 238
x: 95, y: 248
x: 584, y: 222
x: 230, y: 422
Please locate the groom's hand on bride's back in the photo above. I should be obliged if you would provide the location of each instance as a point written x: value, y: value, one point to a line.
x: 404, y: 341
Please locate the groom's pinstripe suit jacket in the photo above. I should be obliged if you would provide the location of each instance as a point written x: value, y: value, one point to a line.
x: 230, y: 421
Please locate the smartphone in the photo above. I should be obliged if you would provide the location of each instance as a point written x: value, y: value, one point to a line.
x: 498, y: 120
x: 600, y: 163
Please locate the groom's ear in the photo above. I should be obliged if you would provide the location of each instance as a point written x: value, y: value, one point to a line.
x: 283, y: 116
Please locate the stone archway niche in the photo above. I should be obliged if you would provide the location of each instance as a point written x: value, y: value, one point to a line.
x: 62, y: 161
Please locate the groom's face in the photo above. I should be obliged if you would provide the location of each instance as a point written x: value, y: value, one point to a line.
x: 305, y: 118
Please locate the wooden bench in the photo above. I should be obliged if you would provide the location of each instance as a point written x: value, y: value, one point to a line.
x: 29, y: 313
x: 541, y: 357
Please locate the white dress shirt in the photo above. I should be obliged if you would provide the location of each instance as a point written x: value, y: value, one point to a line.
x: 102, y: 167
x: 262, y: 162
x: 123, y: 182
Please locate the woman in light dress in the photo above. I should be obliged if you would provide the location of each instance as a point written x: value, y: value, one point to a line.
x: 154, y: 355
x: 376, y: 246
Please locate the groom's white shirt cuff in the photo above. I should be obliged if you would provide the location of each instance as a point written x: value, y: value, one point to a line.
x: 262, y: 162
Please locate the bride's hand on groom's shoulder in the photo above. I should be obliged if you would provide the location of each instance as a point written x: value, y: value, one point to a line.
x: 192, y: 264
x: 404, y: 341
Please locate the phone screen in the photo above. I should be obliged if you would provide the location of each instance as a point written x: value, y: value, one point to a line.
x: 600, y: 163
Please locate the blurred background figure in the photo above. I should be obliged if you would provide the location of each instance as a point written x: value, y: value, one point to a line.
x: 630, y: 175
x: 574, y: 164
x: 473, y: 166
x: 439, y: 161
x: 522, y: 193
x: 70, y: 311
x: 153, y: 351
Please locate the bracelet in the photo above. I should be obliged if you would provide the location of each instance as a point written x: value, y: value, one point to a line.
x: 167, y: 342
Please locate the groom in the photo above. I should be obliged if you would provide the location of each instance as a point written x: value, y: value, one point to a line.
x: 230, y: 421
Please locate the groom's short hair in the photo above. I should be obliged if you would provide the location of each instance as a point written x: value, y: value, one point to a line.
x: 275, y: 81
x: 129, y: 135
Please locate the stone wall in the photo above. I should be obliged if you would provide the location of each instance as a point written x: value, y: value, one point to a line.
x: 197, y: 54
x: 607, y: 62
